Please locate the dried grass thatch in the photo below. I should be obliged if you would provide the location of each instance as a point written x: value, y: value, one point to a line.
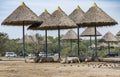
x: 20, y: 15
x: 43, y: 41
x: 109, y: 37
x: 28, y: 39
x: 103, y: 45
x: 112, y: 45
x: 118, y: 34
x: 95, y: 16
x: 90, y: 31
x: 58, y: 20
x: 33, y: 39
x: 70, y: 35
x: 44, y: 16
x: 77, y: 15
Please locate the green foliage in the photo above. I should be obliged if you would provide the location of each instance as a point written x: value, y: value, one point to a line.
x: 12, y: 46
x: 7, y: 44
x: 3, y: 39
x: 65, y: 51
x: 102, y: 53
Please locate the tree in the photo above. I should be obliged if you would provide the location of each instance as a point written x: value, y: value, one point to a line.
x: 3, y: 39
x: 12, y: 46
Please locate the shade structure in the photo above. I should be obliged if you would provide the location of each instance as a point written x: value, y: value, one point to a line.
x: 33, y: 39
x: 118, y: 34
x: 28, y: 39
x: 44, y: 16
x: 90, y: 32
x: 44, y: 41
x: 96, y: 17
x: 70, y: 35
x: 102, y: 45
x: 77, y: 16
x: 21, y: 16
x: 58, y: 20
x: 112, y: 45
x: 109, y: 37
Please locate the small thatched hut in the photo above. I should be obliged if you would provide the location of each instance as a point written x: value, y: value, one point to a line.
x: 90, y: 32
x: 109, y: 37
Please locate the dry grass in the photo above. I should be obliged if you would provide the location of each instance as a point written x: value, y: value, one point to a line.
x: 91, y: 69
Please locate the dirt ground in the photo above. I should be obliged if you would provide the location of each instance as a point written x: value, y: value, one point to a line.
x: 89, y: 69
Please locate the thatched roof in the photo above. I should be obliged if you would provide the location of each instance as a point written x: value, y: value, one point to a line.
x: 77, y: 15
x: 28, y: 39
x: 33, y: 39
x: 44, y: 16
x: 58, y: 20
x: 119, y: 44
x: 103, y: 45
x: 90, y: 31
x: 95, y: 16
x: 114, y: 45
x: 22, y: 13
x: 118, y: 34
x: 93, y: 46
x: 109, y: 37
x: 43, y: 41
x: 70, y: 35
x: 106, y: 45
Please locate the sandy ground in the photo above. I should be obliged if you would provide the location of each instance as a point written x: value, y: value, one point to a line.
x: 89, y: 69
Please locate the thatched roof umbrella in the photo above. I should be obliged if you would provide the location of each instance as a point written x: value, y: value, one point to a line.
x: 70, y: 35
x: 76, y: 16
x: 28, y: 39
x: 22, y: 16
x: 109, y: 37
x: 58, y: 20
x: 118, y: 34
x: 44, y: 41
x: 102, y: 45
x: 96, y: 17
x: 112, y: 45
x: 90, y: 32
x: 44, y: 16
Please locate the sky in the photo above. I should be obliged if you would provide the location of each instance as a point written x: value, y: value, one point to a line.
x: 111, y: 7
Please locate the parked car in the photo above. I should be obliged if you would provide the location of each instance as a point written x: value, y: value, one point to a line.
x: 10, y: 54
x: 31, y: 55
x: 42, y: 54
x: 112, y: 54
x: 21, y: 54
x: 56, y: 54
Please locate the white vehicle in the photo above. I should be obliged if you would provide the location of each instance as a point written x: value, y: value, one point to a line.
x: 42, y: 54
x: 31, y: 55
x: 10, y: 54
x: 56, y: 54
